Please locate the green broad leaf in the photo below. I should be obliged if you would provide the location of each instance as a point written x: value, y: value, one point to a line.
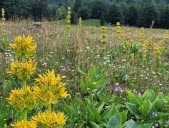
x: 133, y: 109
x: 145, y: 125
x: 103, y: 97
x: 94, y: 125
x: 163, y: 115
x: 68, y: 110
x: 145, y: 108
x: 130, y: 124
x: 101, y: 107
x: 90, y: 114
x: 92, y: 72
x: 148, y: 95
x: 123, y: 115
x: 82, y: 86
x: 95, y: 115
x: 115, y: 121
x: 81, y: 72
x: 133, y: 98
x: 102, y: 82
x: 159, y: 102
x: 109, y: 112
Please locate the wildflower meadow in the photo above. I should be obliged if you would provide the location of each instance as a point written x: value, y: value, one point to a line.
x: 63, y: 75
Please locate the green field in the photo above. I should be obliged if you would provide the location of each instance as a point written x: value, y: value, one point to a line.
x: 120, y: 83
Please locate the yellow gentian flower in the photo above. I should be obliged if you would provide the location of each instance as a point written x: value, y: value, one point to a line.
x: 23, y: 46
x: 50, y: 88
x: 22, y: 99
x: 49, y: 120
x: 24, y: 124
x: 22, y: 70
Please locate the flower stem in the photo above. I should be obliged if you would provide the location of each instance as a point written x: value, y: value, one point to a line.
x: 24, y: 84
x: 25, y: 114
x: 49, y: 108
x: 23, y: 59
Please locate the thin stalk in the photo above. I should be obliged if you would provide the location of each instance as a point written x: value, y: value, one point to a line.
x: 49, y: 108
x: 24, y: 84
x: 23, y: 59
x: 25, y: 114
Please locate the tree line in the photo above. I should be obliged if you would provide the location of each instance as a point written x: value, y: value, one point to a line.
x: 145, y: 13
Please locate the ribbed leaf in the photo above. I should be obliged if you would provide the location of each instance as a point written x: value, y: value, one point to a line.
x: 115, y: 121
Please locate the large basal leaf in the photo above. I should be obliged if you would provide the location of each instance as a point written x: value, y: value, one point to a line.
x: 92, y: 72
x: 81, y: 72
x: 145, y: 125
x: 123, y: 115
x: 159, y: 102
x: 95, y: 115
x: 68, y: 110
x: 145, y: 108
x: 130, y: 124
x: 100, y: 108
x: 133, y: 98
x: 148, y: 95
x: 101, y: 82
x: 115, y: 121
x: 82, y: 86
x: 109, y: 112
x: 95, y: 125
x: 133, y: 109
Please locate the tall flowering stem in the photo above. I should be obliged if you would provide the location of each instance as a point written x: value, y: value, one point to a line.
x: 103, y: 35
x: 25, y: 114
x: 118, y: 32
x: 48, y: 91
x: 4, y: 38
x: 49, y: 108
x: 23, y: 99
x: 68, y: 20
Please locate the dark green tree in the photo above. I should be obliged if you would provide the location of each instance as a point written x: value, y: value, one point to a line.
x: 39, y: 9
x: 149, y: 14
x: 77, y: 5
x: 97, y: 9
x: 61, y: 13
x: 132, y: 16
x: 164, y: 23
x: 84, y: 12
x: 114, y: 14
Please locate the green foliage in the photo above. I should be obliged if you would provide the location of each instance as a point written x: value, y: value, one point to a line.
x: 147, y: 107
x: 84, y: 12
x: 114, y: 14
x: 97, y: 8
x: 94, y: 79
x: 61, y: 13
x: 149, y: 16
x: 131, y: 12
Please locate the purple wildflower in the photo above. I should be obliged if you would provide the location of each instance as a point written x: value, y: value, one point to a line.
x: 118, y: 89
x: 167, y: 122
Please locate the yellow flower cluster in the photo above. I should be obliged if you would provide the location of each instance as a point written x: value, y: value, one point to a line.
x: 118, y: 27
x: 24, y: 124
x: 49, y: 120
x: 159, y: 49
x: 50, y: 88
x: 141, y: 35
x: 25, y: 47
x: 166, y: 35
x: 103, y: 35
x: 147, y: 45
x: 22, y: 70
x: 3, y: 17
x: 68, y: 18
x: 22, y: 99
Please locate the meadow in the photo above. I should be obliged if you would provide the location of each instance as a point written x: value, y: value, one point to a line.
x: 116, y: 76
